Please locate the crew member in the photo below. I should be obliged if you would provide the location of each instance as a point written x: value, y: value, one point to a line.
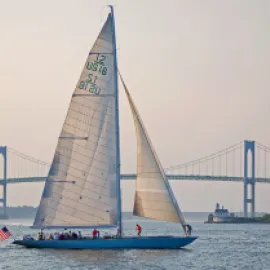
x: 41, y: 235
x: 139, y: 229
x: 189, y: 229
x: 95, y: 234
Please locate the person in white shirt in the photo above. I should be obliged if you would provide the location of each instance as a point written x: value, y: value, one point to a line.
x: 56, y: 236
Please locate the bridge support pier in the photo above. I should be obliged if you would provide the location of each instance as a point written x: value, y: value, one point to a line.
x: 3, y: 200
x: 249, y: 180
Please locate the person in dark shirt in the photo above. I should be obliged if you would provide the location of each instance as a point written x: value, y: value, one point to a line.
x: 189, y: 229
x: 61, y: 236
x: 74, y: 235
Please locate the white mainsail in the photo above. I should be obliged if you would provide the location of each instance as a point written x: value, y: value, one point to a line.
x: 81, y: 188
x: 154, y: 197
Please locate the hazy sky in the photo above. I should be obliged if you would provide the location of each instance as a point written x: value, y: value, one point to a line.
x: 198, y: 72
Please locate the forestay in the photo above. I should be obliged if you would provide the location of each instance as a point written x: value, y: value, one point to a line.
x: 81, y: 186
x: 154, y: 197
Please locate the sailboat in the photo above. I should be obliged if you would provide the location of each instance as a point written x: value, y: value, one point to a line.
x: 82, y: 189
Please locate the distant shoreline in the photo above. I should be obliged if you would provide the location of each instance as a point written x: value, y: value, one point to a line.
x: 30, y: 212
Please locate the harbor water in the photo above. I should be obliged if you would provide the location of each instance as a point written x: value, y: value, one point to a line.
x: 222, y: 246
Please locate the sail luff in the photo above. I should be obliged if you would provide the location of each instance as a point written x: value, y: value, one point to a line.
x: 117, y: 130
x: 138, y: 121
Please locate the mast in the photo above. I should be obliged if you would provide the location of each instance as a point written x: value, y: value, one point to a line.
x: 118, y: 164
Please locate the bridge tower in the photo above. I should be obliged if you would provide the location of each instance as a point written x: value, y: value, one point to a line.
x: 3, y: 183
x: 249, y: 180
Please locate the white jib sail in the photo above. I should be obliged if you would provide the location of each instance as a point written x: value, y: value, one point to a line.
x: 154, y: 197
x: 81, y: 187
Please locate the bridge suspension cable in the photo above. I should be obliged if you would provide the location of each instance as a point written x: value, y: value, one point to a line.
x: 221, y: 162
x: 262, y: 160
x: 21, y: 165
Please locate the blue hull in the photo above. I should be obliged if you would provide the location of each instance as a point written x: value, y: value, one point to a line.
x: 155, y: 242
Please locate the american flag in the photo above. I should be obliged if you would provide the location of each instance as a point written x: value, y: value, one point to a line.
x: 4, y: 233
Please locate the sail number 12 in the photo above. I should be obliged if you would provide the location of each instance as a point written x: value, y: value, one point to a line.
x: 98, y: 66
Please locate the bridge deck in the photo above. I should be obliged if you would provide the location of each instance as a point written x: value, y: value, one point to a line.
x: 133, y: 177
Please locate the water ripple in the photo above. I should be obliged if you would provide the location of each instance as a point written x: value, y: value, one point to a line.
x: 219, y: 247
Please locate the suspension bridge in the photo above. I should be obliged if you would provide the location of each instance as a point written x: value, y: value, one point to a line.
x: 247, y: 162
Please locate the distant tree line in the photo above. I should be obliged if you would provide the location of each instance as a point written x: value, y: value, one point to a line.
x: 22, y: 211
